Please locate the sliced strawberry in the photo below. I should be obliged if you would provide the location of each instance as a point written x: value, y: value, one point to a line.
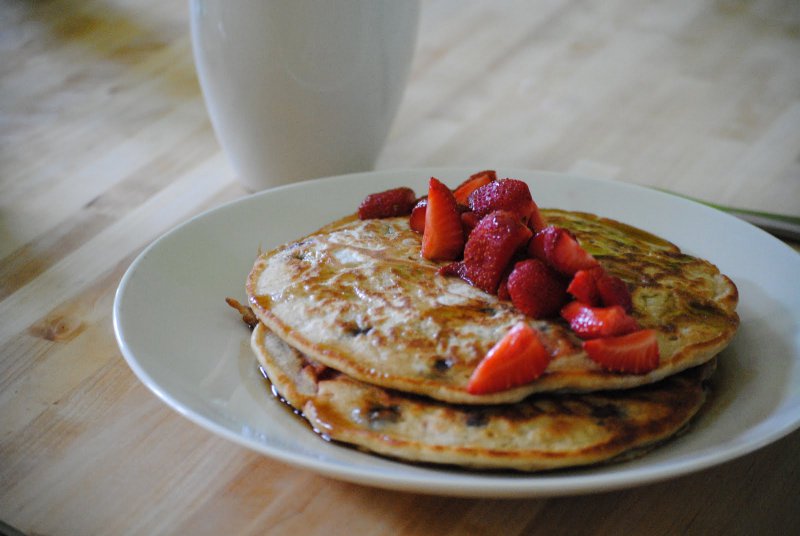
x: 417, y: 219
x: 474, y: 182
x: 518, y: 358
x: 614, y: 291
x: 443, y: 238
x: 536, y: 289
x: 560, y: 249
x: 469, y: 221
x: 635, y: 353
x: 490, y: 248
x: 591, y: 322
x: 536, y: 221
x: 584, y: 285
x: 594, y: 286
x: 502, y: 290
x: 387, y: 204
x: 455, y: 269
x: 506, y: 194
x: 536, y: 247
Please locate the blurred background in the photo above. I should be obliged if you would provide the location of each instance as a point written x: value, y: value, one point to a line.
x: 100, y: 106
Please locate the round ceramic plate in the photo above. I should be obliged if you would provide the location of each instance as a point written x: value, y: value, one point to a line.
x: 192, y: 350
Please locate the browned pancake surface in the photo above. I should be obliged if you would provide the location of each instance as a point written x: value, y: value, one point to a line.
x: 357, y: 297
x: 540, y: 433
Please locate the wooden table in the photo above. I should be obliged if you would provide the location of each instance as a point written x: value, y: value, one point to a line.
x: 106, y: 145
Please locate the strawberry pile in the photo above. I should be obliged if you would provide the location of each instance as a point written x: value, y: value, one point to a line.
x: 490, y: 233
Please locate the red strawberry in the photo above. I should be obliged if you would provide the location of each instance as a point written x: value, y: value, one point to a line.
x: 469, y: 221
x: 594, y: 286
x: 474, y: 182
x: 388, y: 204
x: 518, y: 358
x: 614, y: 291
x: 443, y: 238
x: 536, y: 247
x: 536, y: 289
x: 417, y: 219
x: 635, y: 353
x: 560, y: 249
x: 591, y: 322
x: 584, y: 285
x: 506, y: 194
x: 536, y: 221
x: 502, y: 290
x: 491, y: 246
x: 455, y: 269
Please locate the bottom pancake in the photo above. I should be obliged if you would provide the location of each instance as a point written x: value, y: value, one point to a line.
x: 542, y: 432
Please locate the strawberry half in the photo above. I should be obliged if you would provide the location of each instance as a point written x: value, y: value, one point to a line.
x: 594, y: 286
x: 635, y: 353
x: 417, y: 219
x: 443, y: 237
x: 490, y: 247
x: 560, y: 249
x: 454, y: 269
x: 502, y: 290
x: 469, y: 221
x: 518, y: 358
x: 614, y: 291
x: 387, y: 204
x: 536, y: 221
x: 536, y: 289
x: 584, y: 285
x: 591, y: 322
x: 507, y: 194
x: 475, y: 181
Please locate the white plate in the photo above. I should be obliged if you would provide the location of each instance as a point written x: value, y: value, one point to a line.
x: 191, y: 349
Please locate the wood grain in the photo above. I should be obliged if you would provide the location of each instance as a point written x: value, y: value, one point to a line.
x: 105, y: 145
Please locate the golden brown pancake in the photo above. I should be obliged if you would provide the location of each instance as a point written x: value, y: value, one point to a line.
x: 543, y: 432
x: 356, y: 296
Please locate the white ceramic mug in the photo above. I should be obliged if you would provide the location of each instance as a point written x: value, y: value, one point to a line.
x: 298, y: 89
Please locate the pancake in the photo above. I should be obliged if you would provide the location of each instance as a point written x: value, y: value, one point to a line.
x: 544, y: 432
x: 357, y: 297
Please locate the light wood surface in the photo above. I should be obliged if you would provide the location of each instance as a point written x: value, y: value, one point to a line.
x: 105, y: 144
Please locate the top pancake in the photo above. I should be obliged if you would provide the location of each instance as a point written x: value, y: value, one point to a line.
x: 357, y: 296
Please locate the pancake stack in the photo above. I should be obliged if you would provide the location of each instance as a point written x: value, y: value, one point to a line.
x: 375, y: 348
